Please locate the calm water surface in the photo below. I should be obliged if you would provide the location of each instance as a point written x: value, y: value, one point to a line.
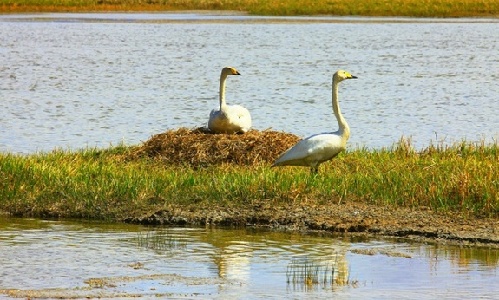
x: 64, y: 259
x: 78, y: 80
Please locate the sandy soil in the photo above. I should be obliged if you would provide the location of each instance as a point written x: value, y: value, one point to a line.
x: 421, y: 224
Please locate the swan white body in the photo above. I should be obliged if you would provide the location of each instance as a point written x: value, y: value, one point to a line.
x: 318, y: 148
x: 229, y: 118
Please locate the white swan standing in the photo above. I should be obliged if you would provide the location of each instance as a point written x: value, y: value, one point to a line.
x: 318, y: 148
x: 229, y: 118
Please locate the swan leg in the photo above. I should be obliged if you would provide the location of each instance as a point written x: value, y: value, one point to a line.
x: 314, y: 170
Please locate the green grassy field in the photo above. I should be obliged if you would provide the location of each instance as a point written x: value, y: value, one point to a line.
x: 413, y: 8
x: 107, y: 185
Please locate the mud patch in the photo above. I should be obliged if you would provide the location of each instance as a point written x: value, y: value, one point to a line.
x: 353, y: 218
x: 158, y: 285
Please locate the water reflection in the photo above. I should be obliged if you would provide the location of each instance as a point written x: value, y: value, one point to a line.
x: 464, y: 259
x: 77, y: 259
x: 93, y: 80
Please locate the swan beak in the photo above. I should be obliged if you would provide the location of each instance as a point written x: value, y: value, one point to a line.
x: 235, y: 72
x: 353, y: 77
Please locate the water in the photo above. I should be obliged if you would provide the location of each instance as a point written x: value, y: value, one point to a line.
x: 94, y: 80
x: 68, y: 259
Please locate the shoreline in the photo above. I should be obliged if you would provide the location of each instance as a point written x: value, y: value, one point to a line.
x: 420, y: 224
x: 349, y: 219
x: 402, y: 8
x: 239, y: 16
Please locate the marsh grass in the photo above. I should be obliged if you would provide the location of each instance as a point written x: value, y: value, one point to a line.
x: 160, y: 241
x: 414, y: 8
x: 115, y: 184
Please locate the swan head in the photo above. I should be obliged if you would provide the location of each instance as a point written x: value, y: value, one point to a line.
x: 230, y: 71
x: 341, y: 75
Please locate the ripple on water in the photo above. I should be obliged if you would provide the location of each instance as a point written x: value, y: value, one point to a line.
x: 99, y: 79
x: 55, y: 258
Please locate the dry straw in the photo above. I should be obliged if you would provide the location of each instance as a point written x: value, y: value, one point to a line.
x: 197, y: 147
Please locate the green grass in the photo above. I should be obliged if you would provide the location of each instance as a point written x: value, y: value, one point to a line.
x: 414, y: 8
x: 101, y: 184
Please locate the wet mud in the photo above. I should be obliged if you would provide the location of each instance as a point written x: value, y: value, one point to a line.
x: 349, y: 218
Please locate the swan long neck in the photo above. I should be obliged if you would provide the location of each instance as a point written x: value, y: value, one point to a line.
x: 344, y: 129
x: 223, y: 78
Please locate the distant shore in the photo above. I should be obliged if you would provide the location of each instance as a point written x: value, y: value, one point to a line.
x: 395, y: 8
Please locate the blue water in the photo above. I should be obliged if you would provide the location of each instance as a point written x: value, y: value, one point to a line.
x: 83, y: 80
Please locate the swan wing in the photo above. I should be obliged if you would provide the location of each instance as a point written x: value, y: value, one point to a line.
x: 312, y: 150
x: 233, y: 119
x: 238, y: 112
x: 239, y: 117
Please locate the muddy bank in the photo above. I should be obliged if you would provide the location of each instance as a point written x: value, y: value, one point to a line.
x: 352, y: 218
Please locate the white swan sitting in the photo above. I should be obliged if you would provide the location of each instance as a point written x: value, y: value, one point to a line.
x: 229, y: 118
x: 318, y: 148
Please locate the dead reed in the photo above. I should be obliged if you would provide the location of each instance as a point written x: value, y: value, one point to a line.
x: 197, y: 147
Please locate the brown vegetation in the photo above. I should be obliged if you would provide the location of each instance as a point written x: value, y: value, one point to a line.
x: 198, y: 147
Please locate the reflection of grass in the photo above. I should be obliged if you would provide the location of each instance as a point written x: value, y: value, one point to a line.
x: 161, y: 240
x: 310, y: 273
x: 416, y: 8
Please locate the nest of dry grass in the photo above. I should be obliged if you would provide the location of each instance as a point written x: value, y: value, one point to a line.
x: 199, y: 147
